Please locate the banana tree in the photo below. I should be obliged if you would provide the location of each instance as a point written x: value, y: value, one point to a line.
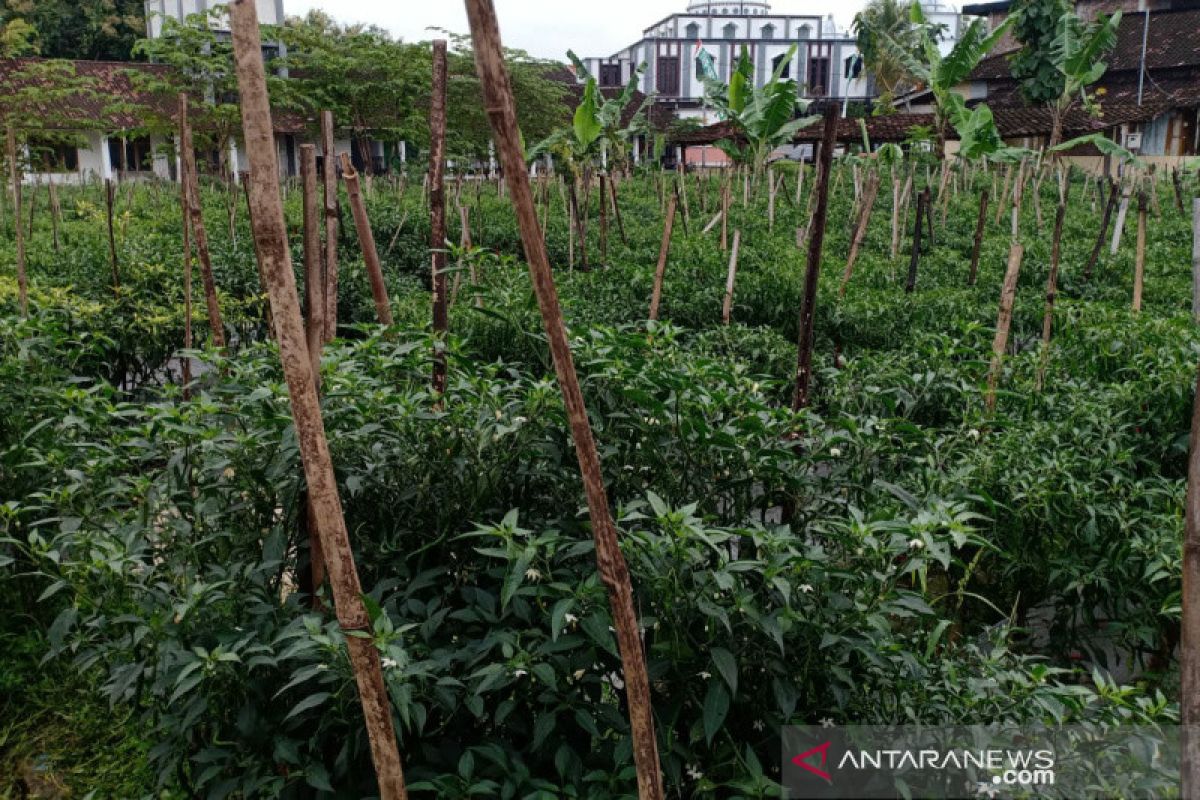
x: 1077, y: 52
x: 941, y: 74
x: 765, y: 118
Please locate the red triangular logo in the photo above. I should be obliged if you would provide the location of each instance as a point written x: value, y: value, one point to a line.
x: 823, y: 750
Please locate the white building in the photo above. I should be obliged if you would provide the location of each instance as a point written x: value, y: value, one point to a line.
x: 270, y: 12
x: 827, y: 63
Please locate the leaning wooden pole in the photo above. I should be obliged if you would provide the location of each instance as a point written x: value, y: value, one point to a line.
x: 1189, y: 647
x: 1113, y: 193
x: 614, y: 573
x: 437, y: 216
x: 816, y: 243
x: 1008, y: 295
x: 366, y: 240
x: 664, y: 251
x: 731, y: 276
x: 199, y: 233
x: 332, y: 220
x: 860, y: 230
x: 14, y: 172
x: 271, y: 234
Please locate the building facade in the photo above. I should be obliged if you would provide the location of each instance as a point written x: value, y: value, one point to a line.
x: 270, y: 12
x: 827, y: 65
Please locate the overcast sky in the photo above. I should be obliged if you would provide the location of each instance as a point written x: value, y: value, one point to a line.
x: 546, y: 28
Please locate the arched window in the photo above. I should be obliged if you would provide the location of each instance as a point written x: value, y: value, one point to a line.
x: 768, y: 31
x: 731, y: 31
x: 693, y: 31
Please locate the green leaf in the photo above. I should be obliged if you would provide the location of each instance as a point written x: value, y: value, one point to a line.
x: 716, y: 706
x: 312, y: 701
x: 726, y: 667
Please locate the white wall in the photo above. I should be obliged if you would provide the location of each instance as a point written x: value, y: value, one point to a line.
x: 270, y: 12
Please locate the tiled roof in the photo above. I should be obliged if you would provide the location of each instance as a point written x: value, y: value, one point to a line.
x: 1172, y: 42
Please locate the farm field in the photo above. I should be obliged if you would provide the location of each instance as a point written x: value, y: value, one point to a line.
x: 894, y: 553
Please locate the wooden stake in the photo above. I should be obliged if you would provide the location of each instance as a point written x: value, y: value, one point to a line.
x: 332, y: 222
x: 314, y: 281
x: 55, y: 215
x: 727, y: 307
x: 1139, y: 267
x: 14, y: 172
x: 812, y: 274
x: 612, y: 188
x: 199, y: 233
x: 1060, y: 215
x: 614, y: 573
x: 366, y: 239
x: 1008, y: 295
x: 1122, y: 211
x: 271, y: 233
x: 895, y: 217
x: 1196, y: 268
x: 603, y: 219
x: 187, y: 276
x: 1189, y: 646
x: 663, y: 251
x: 437, y: 216
x: 112, y: 241
x: 1108, y: 209
x: 915, y: 256
x: 860, y: 230
x: 979, y: 226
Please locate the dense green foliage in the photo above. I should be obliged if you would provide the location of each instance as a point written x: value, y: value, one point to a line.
x: 940, y: 564
x: 103, y: 30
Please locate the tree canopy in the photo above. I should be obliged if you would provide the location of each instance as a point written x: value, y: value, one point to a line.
x: 103, y: 30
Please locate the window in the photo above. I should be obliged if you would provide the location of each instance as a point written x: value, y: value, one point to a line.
x: 693, y: 31
x: 787, y: 67
x: 731, y: 31
x: 768, y: 31
x: 138, y: 157
x: 48, y: 156
x: 666, y: 76
x: 610, y: 74
x: 818, y: 76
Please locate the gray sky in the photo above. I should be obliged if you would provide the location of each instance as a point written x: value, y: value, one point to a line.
x: 545, y: 28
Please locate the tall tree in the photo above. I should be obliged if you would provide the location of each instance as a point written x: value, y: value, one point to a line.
x: 890, y: 19
x: 103, y: 30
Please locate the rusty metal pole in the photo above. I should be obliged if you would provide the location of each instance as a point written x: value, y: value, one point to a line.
x: 332, y: 221
x: 199, y: 233
x: 614, y: 573
x: 437, y: 215
x: 366, y: 240
x: 271, y: 233
x: 816, y: 243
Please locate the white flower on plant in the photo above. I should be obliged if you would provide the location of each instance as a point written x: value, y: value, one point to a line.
x: 694, y: 772
x: 532, y: 574
x: 758, y: 725
x: 806, y: 588
x: 826, y: 722
x: 570, y: 618
x: 579, y: 673
x: 390, y: 663
x: 835, y: 451
x: 705, y: 675
x: 916, y: 544
x: 973, y: 433
x: 519, y: 673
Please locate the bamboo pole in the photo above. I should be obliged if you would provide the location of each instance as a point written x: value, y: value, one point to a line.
x: 612, y: 188
x: 1189, y: 647
x: 895, y: 216
x: 187, y: 276
x: 366, y: 239
x: 112, y: 241
x: 980, y: 224
x: 603, y: 219
x: 199, y: 233
x: 860, y: 230
x: 314, y: 336
x: 727, y: 306
x: 14, y: 172
x: 664, y: 251
x: 1122, y: 212
x: 1139, y: 264
x: 1060, y: 215
x: 915, y: 255
x: 1008, y: 295
x: 812, y: 274
x: 332, y: 222
x: 55, y: 215
x: 1196, y: 263
x: 1108, y: 209
x: 614, y: 573
x: 270, y: 231
x: 437, y: 216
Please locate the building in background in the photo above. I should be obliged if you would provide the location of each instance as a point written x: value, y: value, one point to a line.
x: 270, y: 12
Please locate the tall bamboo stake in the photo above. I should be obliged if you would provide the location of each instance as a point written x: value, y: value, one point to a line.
x: 860, y: 230
x: 603, y: 218
x: 1189, y: 647
x: 727, y: 306
x: 187, y: 276
x: 314, y: 335
x: 1139, y: 265
x: 366, y: 240
x: 612, y: 188
x: 816, y: 243
x: 112, y: 241
x: 55, y: 215
x: 664, y: 250
x: 1122, y: 212
x: 332, y: 221
x: 1008, y: 295
x: 14, y: 172
x: 1108, y: 209
x: 199, y: 233
x: 270, y: 231
x: 614, y: 573
x: 437, y: 215
x: 979, y: 226
x: 914, y: 257
x: 895, y: 216
x: 1196, y: 259
x: 1060, y: 215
